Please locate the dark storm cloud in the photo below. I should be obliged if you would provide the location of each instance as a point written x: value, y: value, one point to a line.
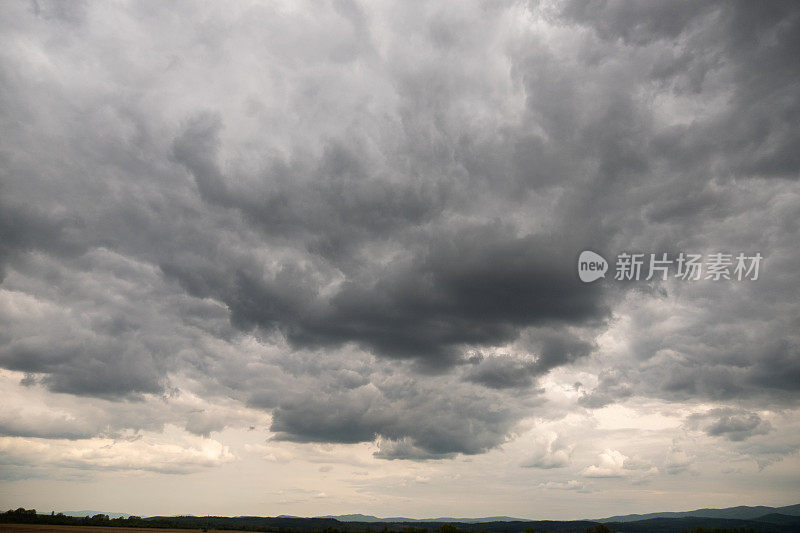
x: 696, y: 188
x: 732, y: 424
x: 25, y: 228
x: 332, y: 201
x: 372, y: 193
x: 92, y: 369
x: 749, y: 47
x: 551, y: 347
x: 405, y: 449
x: 412, y: 420
x: 772, y: 367
x: 449, y: 288
x: 501, y: 372
x: 84, y: 332
x: 725, y: 352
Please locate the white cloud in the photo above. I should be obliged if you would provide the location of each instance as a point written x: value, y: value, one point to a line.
x: 614, y: 464
x: 572, y: 484
x: 549, y: 451
x: 136, y: 454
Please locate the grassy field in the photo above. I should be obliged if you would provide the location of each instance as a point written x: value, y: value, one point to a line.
x: 44, y: 528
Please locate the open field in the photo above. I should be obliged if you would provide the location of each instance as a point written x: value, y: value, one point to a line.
x: 45, y: 528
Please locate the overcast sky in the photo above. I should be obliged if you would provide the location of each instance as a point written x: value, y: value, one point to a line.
x: 321, y: 257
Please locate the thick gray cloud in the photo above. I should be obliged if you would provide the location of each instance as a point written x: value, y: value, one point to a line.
x: 413, y: 420
x: 389, y: 201
x: 612, y: 386
x: 732, y: 424
x: 444, y: 288
x: 25, y: 229
x: 501, y: 372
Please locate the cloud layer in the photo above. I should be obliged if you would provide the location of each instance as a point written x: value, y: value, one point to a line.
x: 361, y: 221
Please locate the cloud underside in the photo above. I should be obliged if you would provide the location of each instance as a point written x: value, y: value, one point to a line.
x: 364, y: 220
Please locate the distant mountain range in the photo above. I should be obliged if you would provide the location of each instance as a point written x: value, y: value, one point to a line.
x: 370, y: 518
x: 759, y: 518
x: 739, y: 513
x: 355, y: 523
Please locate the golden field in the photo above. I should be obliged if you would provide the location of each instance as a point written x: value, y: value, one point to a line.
x: 45, y: 528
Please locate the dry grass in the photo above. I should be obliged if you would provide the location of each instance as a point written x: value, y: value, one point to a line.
x: 45, y: 528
